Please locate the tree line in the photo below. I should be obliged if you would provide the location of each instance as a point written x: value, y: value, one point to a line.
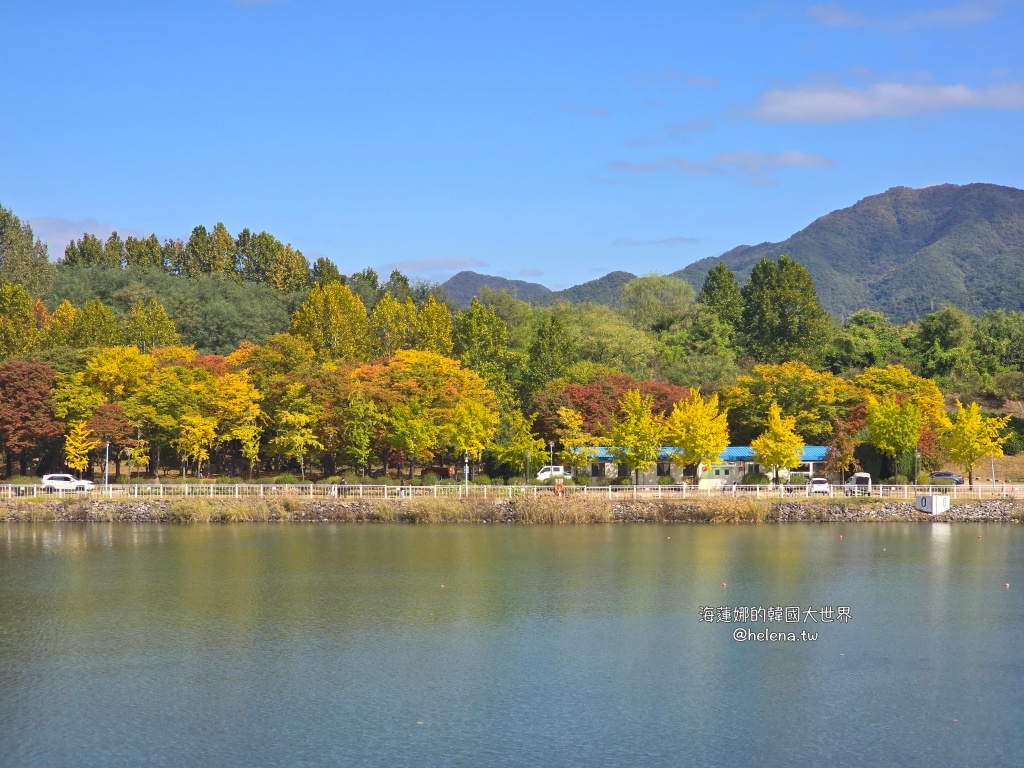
x: 369, y: 375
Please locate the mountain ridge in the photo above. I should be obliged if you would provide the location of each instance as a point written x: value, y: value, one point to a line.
x: 903, y: 252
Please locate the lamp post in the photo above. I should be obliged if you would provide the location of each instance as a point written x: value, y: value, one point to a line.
x: 106, y: 467
x: 466, y: 472
x: 527, y: 467
x: 551, y: 445
x: 917, y: 455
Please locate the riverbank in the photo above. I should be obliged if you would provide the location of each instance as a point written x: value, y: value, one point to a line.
x: 546, y: 511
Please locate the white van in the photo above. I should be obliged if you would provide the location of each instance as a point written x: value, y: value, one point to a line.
x: 859, y: 484
x: 554, y: 472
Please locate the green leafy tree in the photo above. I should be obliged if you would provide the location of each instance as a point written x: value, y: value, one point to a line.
x: 333, y: 320
x: 289, y: 271
x: 894, y: 428
x: 654, y: 303
x: 721, y: 293
x: 148, y: 326
x: 393, y: 325
x: 326, y: 271
x: 143, y: 253
x: 578, y: 447
x: 970, y: 436
x: 698, y: 430
x: 518, y: 443
x: 779, y: 446
x: 637, y: 437
x: 17, y: 321
x: 296, y: 436
x: 782, y: 318
x: 23, y: 259
x: 113, y: 252
x: 414, y: 430
x: 87, y: 252
x: 434, y: 328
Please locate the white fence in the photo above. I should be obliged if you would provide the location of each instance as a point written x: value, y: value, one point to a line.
x: 646, y: 492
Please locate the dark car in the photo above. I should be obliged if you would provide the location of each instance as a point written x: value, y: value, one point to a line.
x: 946, y: 477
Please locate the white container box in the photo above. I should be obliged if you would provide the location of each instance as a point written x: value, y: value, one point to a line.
x: 932, y: 505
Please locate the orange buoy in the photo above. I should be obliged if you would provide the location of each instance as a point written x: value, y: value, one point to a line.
x: 1007, y: 586
x: 840, y: 537
x: 723, y: 585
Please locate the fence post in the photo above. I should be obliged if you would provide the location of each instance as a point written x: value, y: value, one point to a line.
x: 311, y: 490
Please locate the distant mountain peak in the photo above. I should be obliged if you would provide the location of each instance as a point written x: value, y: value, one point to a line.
x: 906, y: 250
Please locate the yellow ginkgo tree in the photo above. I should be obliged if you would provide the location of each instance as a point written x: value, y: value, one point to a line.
x: 698, y: 431
x: 78, y: 445
x: 969, y: 436
x: 779, y: 446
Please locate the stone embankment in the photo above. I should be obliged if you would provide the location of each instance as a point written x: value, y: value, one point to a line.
x: 524, y: 510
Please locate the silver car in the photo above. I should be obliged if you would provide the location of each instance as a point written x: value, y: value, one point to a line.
x: 53, y: 483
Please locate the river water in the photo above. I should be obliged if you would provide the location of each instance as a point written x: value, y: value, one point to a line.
x: 459, y: 645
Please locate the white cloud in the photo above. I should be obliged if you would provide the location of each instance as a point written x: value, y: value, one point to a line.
x: 758, y: 166
x: 415, y: 266
x: 953, y: 17
x: 837, y: 103
x: 677, y: 240
x: 57, y: 233
x: 671, y: 164
x: 527, y: 272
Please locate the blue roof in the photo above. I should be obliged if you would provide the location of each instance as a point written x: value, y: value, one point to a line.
x: 732, y: 453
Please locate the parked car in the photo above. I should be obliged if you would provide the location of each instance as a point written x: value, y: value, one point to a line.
x: 819, y: 485
x: 553, y: 472
x: 946, y: 478
x: 859, y: 483
x: 53, y: 483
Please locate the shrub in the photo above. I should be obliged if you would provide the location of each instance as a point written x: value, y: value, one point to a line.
x: 481, y: 479
x: 755, y: 478
x: 286, y: 479
x: 623, y: 481
x: 666, y: 480
x: 430, y: 479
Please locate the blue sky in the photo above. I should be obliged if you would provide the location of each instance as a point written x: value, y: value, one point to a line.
x: 548, y: 141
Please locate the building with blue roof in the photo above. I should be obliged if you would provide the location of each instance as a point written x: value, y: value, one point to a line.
x: 734, y: 462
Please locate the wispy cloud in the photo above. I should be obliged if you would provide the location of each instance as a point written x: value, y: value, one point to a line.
x: 415, y: 266
x: 758, y: 166
x: 675, y: 132
x: 677, y: 165
x: 833, y: 103
x: 673, y: 78
x: 626, y: 242
x: 575, y: 109
x: 953, y: 17
x: 527, y: 272
x: 57, y: 232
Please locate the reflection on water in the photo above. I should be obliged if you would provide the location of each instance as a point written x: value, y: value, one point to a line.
x: 474, y: 645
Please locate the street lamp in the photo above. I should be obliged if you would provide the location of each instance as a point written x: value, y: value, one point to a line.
x: 466, y: 472
x: 527, y: 467
x: 106, y: 467
x: 551, y: 445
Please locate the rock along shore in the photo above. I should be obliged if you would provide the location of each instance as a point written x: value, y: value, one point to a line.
x: 546, y: 511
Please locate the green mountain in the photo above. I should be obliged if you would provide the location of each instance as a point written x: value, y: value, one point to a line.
x: 603, y: 290
x: 905, y: 251
x: 463, y: 286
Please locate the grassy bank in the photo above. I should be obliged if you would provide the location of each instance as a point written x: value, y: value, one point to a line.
x: 575, y: 510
